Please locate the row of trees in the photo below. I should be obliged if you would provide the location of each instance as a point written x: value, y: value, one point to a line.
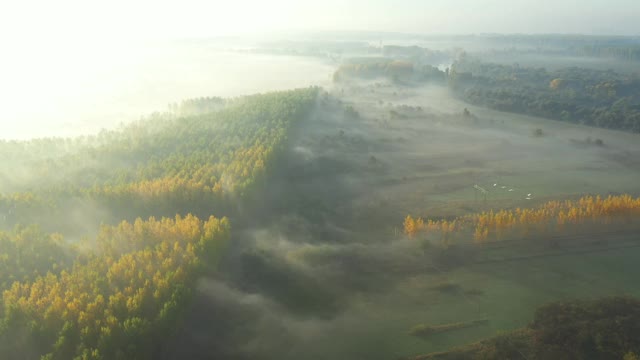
x: 628, y: 52
x: 515, y: 223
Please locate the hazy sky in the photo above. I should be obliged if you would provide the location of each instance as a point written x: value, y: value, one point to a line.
x: 59, y: 54
x: 80, y: 19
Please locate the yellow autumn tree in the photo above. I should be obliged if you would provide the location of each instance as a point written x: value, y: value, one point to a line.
x: 509, y: 223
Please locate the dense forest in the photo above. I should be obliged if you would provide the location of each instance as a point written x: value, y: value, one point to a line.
x: 190, y: 161
x: 591, y: 97
x: 118, y: 293
x: 117, y: 300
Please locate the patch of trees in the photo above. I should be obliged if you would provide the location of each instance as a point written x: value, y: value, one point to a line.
x: 395, y: 70
x: 373, y: 68
x: 607, y: 329
x: 591, y: 97
x: 119, y: 300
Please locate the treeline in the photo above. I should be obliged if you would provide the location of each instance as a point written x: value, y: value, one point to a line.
x: 160, y: 166
x: 417, y: 54
x: 374, y: 67
x: 613, y: 47
x: 591, y: 97
x: 395, y: 70
x: 119, y: 300
x: 197, y: 106
x: 517, y: 223
x: 628, y: 52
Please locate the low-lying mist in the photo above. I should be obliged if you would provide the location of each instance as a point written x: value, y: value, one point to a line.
x: 320, y: 267
x: 317, y: 184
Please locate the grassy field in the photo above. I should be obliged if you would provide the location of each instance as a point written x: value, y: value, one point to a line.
x: 436, y: 155
x: 323, y: 271
x: 393, y: 160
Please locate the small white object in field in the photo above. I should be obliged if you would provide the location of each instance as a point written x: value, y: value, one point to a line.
x: 495, y: 184
x: 510, y: 189
x: 527, y: 198
x: 503, y: 187
x: 528, y: 195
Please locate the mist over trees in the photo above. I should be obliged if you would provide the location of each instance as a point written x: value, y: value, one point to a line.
x: 167, y: 164
x: 275, y: 226
x: 120, y: 293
